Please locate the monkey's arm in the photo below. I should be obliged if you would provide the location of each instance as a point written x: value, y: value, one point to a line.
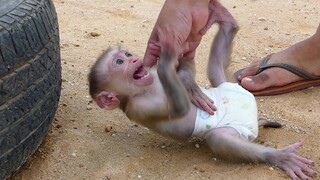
x: 186, y: 73
x: 178, y: 99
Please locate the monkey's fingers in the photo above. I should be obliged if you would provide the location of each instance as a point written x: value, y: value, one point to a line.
x: 299, y: 170
x: 304, y: 164
x: 300, y: 174
x: 292, y: 148
x: 305, y: 160
x: 203, y: 102
x: 300, y: 166
x: 296, y: 167
x: 292, y: 170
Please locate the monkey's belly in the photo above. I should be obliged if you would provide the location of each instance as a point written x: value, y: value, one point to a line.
x: 178, y: 128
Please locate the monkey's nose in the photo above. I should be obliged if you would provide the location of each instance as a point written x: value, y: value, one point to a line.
x: 134, y: 60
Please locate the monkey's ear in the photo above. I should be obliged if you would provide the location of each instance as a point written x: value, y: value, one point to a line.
x: 107, y: 100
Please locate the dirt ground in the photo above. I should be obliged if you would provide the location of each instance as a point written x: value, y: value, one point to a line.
x: 86, y: 142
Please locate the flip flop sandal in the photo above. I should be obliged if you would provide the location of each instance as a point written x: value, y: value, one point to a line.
x: 310, y: 80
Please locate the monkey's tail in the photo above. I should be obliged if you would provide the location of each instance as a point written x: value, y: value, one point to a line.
x: 268, y: 124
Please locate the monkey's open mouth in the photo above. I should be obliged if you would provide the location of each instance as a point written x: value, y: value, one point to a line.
x: 140, y: 73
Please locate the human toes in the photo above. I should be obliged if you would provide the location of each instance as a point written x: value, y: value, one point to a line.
x: 257, y: 82
x: 249, y: 71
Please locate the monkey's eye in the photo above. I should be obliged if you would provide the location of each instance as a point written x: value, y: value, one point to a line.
x: 119, y: 61
x: 128, y: 54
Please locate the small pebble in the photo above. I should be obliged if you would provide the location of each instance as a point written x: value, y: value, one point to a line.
x: 89, y: 107
x: 94, y: 34
x: 108, y: 129
x: 262, y: 19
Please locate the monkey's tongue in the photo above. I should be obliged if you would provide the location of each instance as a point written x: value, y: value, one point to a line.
x: 140, y: 73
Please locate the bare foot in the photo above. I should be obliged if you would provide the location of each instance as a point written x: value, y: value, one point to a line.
x: 304, y: 55
x: 295, y: 166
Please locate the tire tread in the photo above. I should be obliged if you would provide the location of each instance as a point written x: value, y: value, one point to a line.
x: 30, y: 80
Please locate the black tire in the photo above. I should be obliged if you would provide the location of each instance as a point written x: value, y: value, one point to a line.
x: 30, y: 78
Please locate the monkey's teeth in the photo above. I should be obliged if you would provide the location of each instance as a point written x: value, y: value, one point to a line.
x: 140, y: 73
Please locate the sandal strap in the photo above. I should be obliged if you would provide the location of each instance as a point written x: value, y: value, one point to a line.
x: 297, y: 71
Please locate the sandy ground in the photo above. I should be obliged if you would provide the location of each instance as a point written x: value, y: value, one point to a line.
x: 78, y: 145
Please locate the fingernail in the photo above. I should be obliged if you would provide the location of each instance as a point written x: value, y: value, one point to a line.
x: 249, y: 79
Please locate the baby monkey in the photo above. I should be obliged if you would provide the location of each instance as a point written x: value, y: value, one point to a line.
x: 155, y: 98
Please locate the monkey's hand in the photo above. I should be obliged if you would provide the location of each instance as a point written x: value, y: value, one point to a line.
x: 200, y: 99
x: 186, y: 73
x: 287, y: 159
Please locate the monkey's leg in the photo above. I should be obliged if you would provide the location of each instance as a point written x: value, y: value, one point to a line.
x: 186, y: 73
x: 226, y: 143
x: 221, y: 46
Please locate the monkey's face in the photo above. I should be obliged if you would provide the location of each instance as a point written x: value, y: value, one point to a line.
x: 126, y: 67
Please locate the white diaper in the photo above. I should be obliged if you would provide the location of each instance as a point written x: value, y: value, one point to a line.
x: 236, y: 108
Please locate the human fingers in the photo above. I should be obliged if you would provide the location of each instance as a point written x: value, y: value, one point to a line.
x: 153, y: 50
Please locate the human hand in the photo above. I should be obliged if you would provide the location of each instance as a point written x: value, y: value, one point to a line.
x: 183, y: 22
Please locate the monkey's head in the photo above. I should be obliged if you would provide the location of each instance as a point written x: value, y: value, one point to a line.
x: 117, y: 75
